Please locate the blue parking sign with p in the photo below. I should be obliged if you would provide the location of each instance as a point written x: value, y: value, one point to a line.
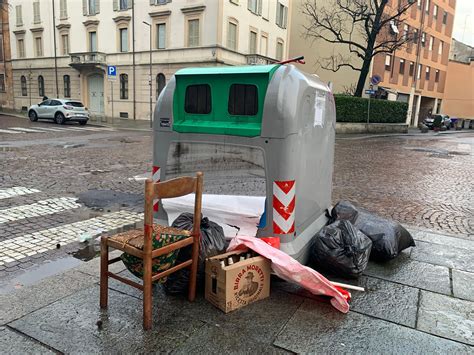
x: 111, y: 70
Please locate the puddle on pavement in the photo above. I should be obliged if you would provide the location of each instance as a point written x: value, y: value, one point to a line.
x: 34, y: 275
x: 108, y: 199
x: 88, y: 252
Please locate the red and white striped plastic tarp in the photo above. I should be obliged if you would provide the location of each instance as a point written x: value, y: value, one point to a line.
x: 155, y: 176
x: 291, y: 270
x: 284, y: 207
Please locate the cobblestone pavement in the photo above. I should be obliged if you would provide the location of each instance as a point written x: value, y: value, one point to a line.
x: 420, y: 181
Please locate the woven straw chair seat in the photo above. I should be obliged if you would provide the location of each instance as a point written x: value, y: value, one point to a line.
x: 135, y: 237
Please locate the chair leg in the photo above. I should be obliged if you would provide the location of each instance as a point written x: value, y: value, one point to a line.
x: 147, y: 292
x: 194, y: 267
x: 104, y: 269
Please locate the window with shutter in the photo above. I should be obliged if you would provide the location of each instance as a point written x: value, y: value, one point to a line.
x: 440, y: 48
x: 36, y: 12
x: 21, y: 48
x: 63, y: 9
x: 92, y: 41
x: 40, y: 86
x: 232, y: 36
x: 281, y: 15
x: 253, y: 42
x: 24, y: 90
x: 19, y: 16
x: 123, y: 4
x: 67, y: 85
x: 123, y: 86
x: 279, y: 50
x: 161, y: 36
x: 255, y: 6
x: 2, y: 82
x: 123, y: 40
x: 65, y: 44
x: 264, y: 46
x: 193, y: 33
x: 39, y: 46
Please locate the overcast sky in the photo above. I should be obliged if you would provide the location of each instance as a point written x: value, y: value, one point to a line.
x: 464, y: 22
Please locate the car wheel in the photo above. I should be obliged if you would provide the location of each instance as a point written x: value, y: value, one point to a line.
x: 59, y: 118
x: 82, y: 123
x: 33, y: 116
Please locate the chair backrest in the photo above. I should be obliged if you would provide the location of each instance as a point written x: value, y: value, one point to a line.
x: 173, y: 188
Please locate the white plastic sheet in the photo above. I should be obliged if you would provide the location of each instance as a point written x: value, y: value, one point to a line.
x: 237, y: 215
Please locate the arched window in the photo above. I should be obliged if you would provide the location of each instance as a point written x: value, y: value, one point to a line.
x: 160, y: 84
x: 40, y: 86
x: 67, y: 86
x: 123, y: 86
x: 24, y: 90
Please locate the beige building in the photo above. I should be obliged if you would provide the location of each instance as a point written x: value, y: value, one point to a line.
x: 315, y: 51
x: 458, y: 99
x: 6, y: 91
x: 67, y: 54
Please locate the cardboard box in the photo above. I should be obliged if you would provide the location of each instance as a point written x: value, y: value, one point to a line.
x: 235, y: 286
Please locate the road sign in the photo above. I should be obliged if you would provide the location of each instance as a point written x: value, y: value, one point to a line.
x: 111, y: 72
x: 370, y: 92
x: 375, y: 79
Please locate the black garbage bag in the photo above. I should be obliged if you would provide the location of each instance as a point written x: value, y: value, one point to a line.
x: 388, y: 237
x: 213, y: 243
x: 341, y: 249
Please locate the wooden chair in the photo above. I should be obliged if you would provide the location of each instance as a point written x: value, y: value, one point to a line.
x: 131, y: 241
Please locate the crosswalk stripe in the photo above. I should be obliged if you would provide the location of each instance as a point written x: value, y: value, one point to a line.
x: 49, y: 129
x: 8, y: 131
x: 16, y: 191
x: 27, y: 130
x: 40, y: 208
x: 39, y: 242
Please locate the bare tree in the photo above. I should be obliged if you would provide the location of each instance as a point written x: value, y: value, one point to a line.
x: 364, y: 27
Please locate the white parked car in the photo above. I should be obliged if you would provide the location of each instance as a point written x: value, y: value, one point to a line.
x: 59, y: 110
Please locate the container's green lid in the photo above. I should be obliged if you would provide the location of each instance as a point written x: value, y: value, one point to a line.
x: 220, y: 79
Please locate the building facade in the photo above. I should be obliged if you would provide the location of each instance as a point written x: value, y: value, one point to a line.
x: 417, y: 72
x: 61, y: 48
x: 458, y: 99
x: 6, y: 76
x: 315, y: 50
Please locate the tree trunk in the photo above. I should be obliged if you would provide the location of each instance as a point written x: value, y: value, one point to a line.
x: 362, y: 77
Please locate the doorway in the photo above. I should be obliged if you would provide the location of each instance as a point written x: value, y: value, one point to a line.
x: 95, y: 85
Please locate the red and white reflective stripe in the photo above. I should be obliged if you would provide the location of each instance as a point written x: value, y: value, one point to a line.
x: 284, y: 207
x: 155, y: 176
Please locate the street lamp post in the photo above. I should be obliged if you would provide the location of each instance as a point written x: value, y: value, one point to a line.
x: 149, y: 80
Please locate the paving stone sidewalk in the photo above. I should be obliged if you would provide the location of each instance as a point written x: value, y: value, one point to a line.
x: 421, y: 302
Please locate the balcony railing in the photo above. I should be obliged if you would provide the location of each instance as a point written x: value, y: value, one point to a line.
x: 257, y: 59
x: 88, y: 58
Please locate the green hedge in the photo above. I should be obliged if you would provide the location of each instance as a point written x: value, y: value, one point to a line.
x: 354, y: 109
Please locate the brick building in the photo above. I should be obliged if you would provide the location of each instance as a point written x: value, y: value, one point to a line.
x: 417, y: 74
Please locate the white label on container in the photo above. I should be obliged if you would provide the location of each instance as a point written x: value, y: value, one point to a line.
x: 319, y: 108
